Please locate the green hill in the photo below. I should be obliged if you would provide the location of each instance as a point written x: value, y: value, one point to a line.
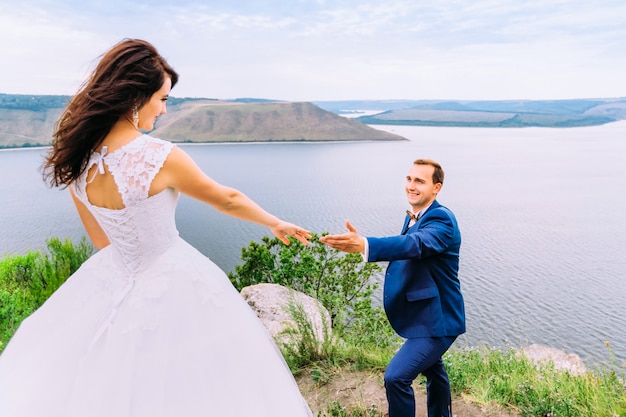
x: 29, y: 121
x: 219, y: 121
x: 508, y: 113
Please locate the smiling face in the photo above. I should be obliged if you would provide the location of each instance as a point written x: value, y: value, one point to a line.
x: 420, y: 189
x: 155, y: 106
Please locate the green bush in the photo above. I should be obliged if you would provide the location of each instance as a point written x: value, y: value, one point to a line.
x: 26, y: 281
x: 341, y: 282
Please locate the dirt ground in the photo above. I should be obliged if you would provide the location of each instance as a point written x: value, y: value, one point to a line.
x: 365, y: 390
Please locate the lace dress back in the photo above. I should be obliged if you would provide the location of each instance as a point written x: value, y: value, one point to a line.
x: 145, y: 227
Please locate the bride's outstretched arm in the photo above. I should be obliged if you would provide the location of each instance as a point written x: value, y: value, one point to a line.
x: 182, y: 173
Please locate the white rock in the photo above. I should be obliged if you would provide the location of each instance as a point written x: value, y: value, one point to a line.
x: 562, y: 360
x: 271, y: 304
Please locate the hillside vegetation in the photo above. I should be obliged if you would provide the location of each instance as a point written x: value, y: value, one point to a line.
x: 342, y: 375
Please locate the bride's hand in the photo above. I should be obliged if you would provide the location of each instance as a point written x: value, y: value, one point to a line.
x: 284, y: 229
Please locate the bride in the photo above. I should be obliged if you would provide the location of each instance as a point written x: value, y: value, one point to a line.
x: 148, y: 326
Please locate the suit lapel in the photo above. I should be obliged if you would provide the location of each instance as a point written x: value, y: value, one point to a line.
x: 405, y: 227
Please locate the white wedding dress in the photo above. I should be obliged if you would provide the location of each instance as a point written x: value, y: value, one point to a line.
x: 148, y: 326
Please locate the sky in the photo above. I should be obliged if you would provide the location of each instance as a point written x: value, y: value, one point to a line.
x: 314, y: 50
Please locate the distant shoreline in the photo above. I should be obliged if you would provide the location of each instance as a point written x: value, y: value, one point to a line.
x: 27, y: 120
x: 306, y: 142
x: 239, y: 142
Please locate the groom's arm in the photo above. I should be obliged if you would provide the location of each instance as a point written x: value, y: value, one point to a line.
x: 434, y: 235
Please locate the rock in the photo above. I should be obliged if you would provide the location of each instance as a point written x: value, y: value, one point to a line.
x: 271, y: 303
x: 562, y: 360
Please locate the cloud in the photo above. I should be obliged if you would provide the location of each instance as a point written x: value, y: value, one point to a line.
x: 314, y: 50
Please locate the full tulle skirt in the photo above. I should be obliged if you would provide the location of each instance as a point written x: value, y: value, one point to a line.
x: 176, y: 339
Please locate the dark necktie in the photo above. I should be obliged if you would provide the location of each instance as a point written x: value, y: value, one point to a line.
x: 413, y: 218
x: 411, y: 222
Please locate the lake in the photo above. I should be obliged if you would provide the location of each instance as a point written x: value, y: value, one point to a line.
x: 541, y: 212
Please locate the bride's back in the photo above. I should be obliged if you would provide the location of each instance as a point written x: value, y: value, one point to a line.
x: 117, y: 167
x: 116, y: 188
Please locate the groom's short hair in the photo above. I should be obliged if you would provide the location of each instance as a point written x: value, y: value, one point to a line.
x: 438, y: 174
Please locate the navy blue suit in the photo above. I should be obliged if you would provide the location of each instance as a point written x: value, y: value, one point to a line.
x: 423, y: 301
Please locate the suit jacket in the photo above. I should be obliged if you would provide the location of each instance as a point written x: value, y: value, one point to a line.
x: 422, y: 292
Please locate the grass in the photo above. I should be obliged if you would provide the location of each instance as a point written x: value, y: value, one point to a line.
x: 488, y: 377
x: 26, y: 281
x: 492, y: 379
x: 508, y: 379
x: 337, y: 410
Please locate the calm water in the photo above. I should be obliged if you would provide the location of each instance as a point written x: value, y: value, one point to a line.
x: 541, y: 213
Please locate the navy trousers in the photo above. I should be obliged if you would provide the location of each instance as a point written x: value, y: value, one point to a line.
x: 419, y: 356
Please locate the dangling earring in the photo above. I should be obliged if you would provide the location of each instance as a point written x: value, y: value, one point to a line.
x: 136, y: 116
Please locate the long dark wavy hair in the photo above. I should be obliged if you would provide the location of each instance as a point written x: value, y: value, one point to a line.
x: 127, y: 75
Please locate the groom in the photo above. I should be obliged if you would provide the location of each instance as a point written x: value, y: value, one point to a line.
x: 422, y: 293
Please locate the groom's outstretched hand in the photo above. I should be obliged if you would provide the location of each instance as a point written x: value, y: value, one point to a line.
x: 347, y: 242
